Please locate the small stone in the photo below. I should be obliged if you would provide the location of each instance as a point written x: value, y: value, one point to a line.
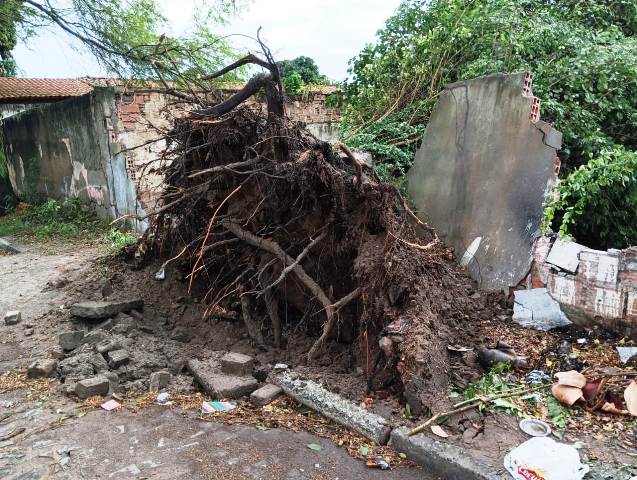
x: 113, y: 381
x: 181, y: 335
x: 70, y: 340
x: 159, y: 380
x: 265, y: 394
x: 99, y: 363
x: 279, y: 367
x: 237, y: 364
x: 91, y: 387
x: 104, y: 309
x: 56, y: 352
x: 117, y: 358
x: 108, y: 346
x: 12, y: 317
x: 42, y: 368
x: 106, y: 325
x: 28, y: 332
x: 94, y: 337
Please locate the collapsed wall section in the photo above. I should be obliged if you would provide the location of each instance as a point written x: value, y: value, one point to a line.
x: 482, y: 173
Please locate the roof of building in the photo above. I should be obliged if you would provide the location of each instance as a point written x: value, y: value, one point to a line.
x: 30, y: 90
x: 35, y: 90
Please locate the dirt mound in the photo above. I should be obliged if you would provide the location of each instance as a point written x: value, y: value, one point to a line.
x: 264, y: 220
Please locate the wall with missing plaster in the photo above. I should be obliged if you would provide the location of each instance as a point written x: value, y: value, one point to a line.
x: 63, y: 150
x: 482, y: 173
x: 593, y: 287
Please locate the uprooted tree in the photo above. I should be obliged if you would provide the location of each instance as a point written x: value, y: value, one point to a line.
x: 304, y: 241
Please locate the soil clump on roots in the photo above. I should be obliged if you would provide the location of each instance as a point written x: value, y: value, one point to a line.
x: 267, y: 223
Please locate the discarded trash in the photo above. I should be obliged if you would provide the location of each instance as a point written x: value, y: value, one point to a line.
x: 535, y: 378
x: 163, y: 398
x: 378, y: 462
x: 161, y: 274
x: 626, y: 353
x: 111, y: 405
x: 543, y: 458
x: 212, y: 407
x: 571, y: 378
x: 438, y: 430
x: 534, y: 427
x: 279, y: 367
x: 314, y: 446
x: 502, y: 353
x: 630, y: 396
x: 582, y: 341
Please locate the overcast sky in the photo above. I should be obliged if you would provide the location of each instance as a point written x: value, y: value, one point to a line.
x: 329, y: 31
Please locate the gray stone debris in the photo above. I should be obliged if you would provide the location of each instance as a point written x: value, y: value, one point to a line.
x: 108, y: 346
x: 159, y: 380
x: 94, y: 337
x: 536, y: 309
x: 70, y: 340
x: 56, y: 352
x: 77, y: 367
x: 220, y: 385
x: 106, y: 325
x: 626, y: 353
x: 237, y: 364
x: 12, y: 317
x: 265, y: 394
x: 113, y: 381
x: 97, y: 310
x: 99, y: 363
x: 117, y: 358
x: 42, y: 368
x: 91, y: 387
x: 333, y: 406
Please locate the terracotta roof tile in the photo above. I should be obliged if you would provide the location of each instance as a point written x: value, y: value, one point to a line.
x: 35, y: 89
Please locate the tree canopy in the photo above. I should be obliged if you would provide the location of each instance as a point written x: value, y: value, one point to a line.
x: 125, y: 36
x: 299, y: 72
x: 584, y: 57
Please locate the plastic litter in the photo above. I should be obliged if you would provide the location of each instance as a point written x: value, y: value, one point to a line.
x: 543, y: 458
x: 161, y: 274
x: 210, y: 407
x: 378, y: 462
x: 111, y: 405
x: 535, y: 378
x: 163, y: 398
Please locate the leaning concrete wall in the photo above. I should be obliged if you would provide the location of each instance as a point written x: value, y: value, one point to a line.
x: 63, y: 150
x: 482, y: 173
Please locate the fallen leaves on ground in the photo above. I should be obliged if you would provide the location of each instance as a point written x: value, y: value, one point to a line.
x: 18, y: 380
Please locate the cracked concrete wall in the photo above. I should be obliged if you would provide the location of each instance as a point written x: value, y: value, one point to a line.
x: 482, y: 173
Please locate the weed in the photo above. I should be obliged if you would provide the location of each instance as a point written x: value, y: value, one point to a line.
x: 116, y: 240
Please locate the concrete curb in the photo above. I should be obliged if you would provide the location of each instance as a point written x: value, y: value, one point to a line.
x: 441, y: 459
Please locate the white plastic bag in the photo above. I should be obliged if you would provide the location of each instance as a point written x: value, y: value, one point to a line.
x: 542, y: 458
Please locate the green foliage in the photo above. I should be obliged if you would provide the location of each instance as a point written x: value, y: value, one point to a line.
x: 299, y: 74
x: 583, y: 55
x: 116, y: 240
x: 10, y: 14
x: 293, y: 83
x: 492, y: 383
x: 53, y: 219
x: 598, y: 200
x: 126, y: 36
x: 559, y: 415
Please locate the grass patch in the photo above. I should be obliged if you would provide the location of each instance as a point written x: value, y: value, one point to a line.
x: 69, y: 220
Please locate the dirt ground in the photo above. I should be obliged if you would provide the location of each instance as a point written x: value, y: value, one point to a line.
x: 63, y: 440
x: 156, y: 443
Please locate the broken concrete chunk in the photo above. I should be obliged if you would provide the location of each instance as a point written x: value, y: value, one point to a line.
x: 12, y: 317
x: 108, y: 346
x: 70, y: 340
x: 42, y: 368
x: 56, y: 352
x: 334, y: 407
x: 113, y: 381
x: 94, y: 337
x: 626, y: 353
x: 106, y: 325
x: 565, y: 255
x: 99, y: 363
x: 159, y: 380
x: 104, y: 309
x: 220, y: 385
x: 117, y: 358
x: 237, y: 364
x: 91, y: 387
x: 536, y: 309
x: 265, y: 394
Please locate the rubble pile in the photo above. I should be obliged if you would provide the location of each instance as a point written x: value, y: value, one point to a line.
x: 266, y: 223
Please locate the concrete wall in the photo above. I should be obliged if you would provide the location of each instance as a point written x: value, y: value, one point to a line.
x: 482, y: 173
x: 63, y: 150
